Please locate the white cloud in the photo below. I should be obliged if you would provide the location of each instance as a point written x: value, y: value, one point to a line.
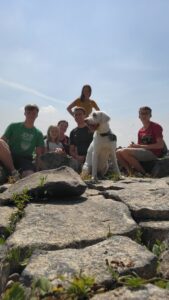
x: 48, y: 109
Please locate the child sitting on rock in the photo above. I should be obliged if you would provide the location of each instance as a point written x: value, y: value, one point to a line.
x: 52, y: 142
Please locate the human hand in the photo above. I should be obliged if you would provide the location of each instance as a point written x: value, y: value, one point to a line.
x: 133, y: 145
x: 59, y: 151
x: 80, y: 158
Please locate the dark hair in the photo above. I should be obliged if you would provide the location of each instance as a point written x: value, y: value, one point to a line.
x: 82, y: 97
x: 64, y: 122
x: 31, y: 107
x: 146, y: 108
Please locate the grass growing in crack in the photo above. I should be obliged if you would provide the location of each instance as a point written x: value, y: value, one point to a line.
x: 138, y: 237
x: 81, y: 287
x: 112, y: 176
x: 42, y: 181
x: 158, y: 248
x: 20, y: 201
x: 18, y: 259
x: 109, y: 234
x: 16, y: 292
x: 2, y: 240
x: 132, y: 280
x: 15, y: 255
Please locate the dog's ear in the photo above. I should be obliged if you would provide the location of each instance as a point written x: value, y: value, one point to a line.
x: 105, y: 117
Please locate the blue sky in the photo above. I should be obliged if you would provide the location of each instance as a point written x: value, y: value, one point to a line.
x: 51, y: 48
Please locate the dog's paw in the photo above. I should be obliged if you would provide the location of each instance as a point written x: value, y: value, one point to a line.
x: 94, y: 179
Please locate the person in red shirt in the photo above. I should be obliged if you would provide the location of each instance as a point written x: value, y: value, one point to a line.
x: 149, y: 146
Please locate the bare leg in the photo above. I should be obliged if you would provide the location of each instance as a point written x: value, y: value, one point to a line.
x: 5, y: 156
x: 128, y: 161
x: 122, y: 162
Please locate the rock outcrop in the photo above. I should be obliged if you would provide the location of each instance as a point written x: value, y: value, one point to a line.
x: 53, y: 160
x: 55, y: 183
x: 74, y: 227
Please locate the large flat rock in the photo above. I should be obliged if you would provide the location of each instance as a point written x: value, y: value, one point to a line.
x: 147, y: 292
x: 146, y: 198
x: 72, y: 223
x: 91, y: 261
x: 153, y: 231
x: 4, y: 268
x: 56, y: 183
x: 5, y: 215
x: 164, y: 264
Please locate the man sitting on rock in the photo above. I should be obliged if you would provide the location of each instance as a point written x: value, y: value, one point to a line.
x: 80, y: 137
x: 149, y: 147
x: 24, y: 140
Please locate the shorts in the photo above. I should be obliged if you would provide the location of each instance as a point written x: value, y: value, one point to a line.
x: 23, y: 163
x: 143, y: 154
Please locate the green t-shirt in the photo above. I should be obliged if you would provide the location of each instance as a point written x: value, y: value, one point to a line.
x: 23, y: 141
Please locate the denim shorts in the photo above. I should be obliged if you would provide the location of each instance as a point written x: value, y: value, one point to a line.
x: 143, y: 154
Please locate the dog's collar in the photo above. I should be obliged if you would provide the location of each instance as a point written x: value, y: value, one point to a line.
x: 110, y: 135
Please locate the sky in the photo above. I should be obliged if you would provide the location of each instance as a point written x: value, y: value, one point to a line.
x: 51, y: 48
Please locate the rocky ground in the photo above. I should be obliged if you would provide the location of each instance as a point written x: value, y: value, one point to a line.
x: 55, y: 225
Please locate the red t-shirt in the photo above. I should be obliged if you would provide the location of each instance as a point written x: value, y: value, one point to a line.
x: 150, y: 135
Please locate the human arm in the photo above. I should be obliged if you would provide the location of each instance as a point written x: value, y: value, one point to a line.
x: 74, y: 154
x: 72, y: 105
x: 94, y: 105
x: 150, y: 138
x: 158, y: 145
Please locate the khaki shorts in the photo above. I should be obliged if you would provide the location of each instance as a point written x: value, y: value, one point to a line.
x: 143, y: 154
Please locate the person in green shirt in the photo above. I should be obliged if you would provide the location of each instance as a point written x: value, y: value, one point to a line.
x: 25, y: 140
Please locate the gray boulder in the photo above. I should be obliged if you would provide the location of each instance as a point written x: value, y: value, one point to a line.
x: 54, y: 160
x: 146, y: 292
x: 47, y: 184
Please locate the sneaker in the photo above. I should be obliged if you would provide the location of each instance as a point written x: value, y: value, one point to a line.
x: 138, y: 174
x: 15, y: 175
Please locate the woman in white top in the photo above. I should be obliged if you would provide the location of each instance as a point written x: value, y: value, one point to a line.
x: 52, y: 142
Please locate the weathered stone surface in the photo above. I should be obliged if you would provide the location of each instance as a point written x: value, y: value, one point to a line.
x: 76, y: 228
x: 147, y: 292
x: 163, y: 268
x: 103, y: 185
x: 5, y: 214
x: 53, y: 160
x: 91, y: 261
x: 72, y: 223
x: 91, y: 192
x: 147, y: 199
x: 4, y: 268
x: 153, y: 231
x: 4, y: 187
x: 56, y: 183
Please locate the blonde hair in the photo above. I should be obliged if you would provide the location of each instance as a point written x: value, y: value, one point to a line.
x: 49, y: 136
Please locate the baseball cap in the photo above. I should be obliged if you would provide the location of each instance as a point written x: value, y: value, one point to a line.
x: 79, y: 108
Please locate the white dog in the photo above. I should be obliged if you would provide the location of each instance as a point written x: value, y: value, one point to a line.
x: 103, y: 147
